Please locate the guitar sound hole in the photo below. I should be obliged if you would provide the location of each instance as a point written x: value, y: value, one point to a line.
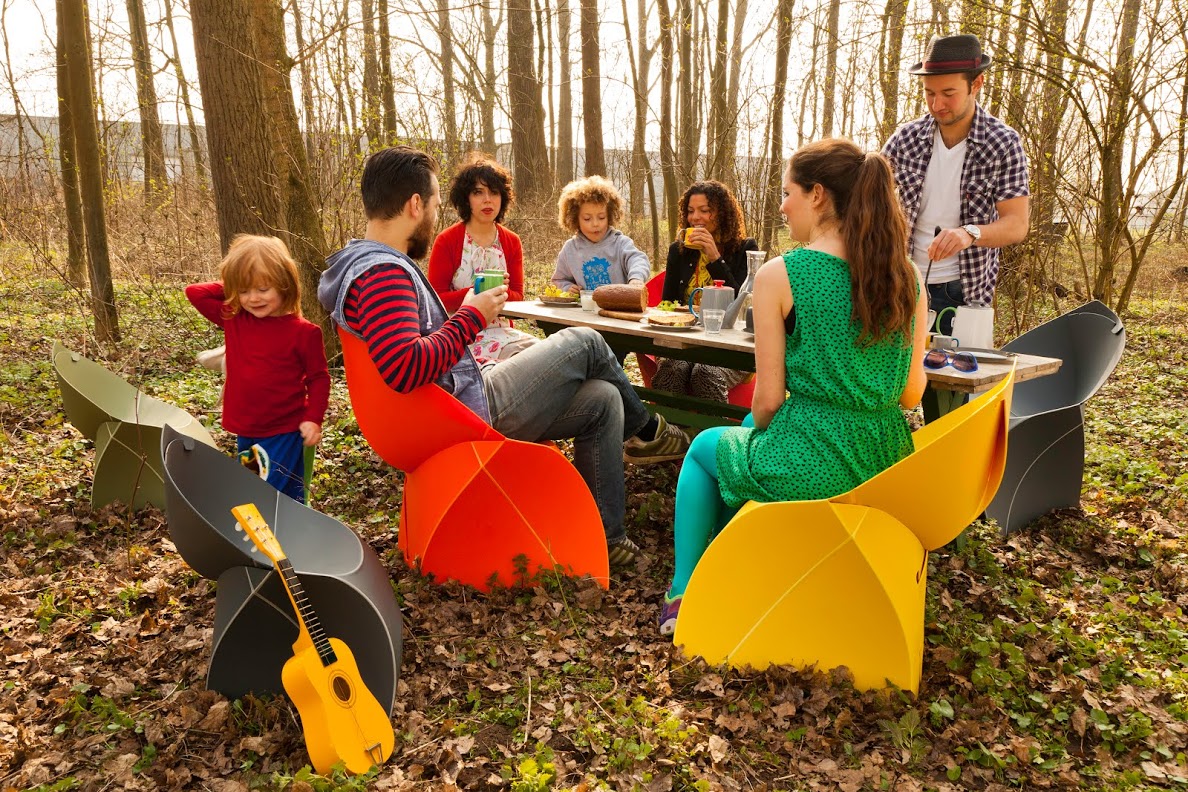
x: 342, y: 688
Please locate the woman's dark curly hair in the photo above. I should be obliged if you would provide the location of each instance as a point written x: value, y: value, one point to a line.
x: 479, y: 168
x: 732, y: 230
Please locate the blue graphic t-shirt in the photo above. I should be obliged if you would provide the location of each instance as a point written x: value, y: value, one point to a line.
x: 596, y: 272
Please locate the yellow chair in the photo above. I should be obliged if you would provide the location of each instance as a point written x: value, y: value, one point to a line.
x: 841, y: 581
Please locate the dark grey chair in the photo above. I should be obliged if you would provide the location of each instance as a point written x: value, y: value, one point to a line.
x: 255, y: 626
x: 1045, y: 462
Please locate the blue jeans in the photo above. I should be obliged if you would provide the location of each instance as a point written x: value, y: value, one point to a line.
x: 570, y: 386
x: 942, y: 296
x: 286, y: 457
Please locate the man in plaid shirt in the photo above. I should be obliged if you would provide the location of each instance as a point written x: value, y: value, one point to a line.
x: 962, y: 178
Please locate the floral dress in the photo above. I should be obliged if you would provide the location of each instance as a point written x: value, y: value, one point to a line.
x: 499, y: 340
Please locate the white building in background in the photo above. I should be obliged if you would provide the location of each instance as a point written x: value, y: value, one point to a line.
x: 119, y: 140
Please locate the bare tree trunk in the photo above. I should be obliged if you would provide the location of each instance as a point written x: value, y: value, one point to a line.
x: 565, y: 97
x: 667, y: 155
x: 25, y: 183
x: 890, y: 64
x: 640, y: 168
x: 387, y: 87
x: 76, y: 254
x: 72, y: 18
x: 488, y: 105
x: 152, y: 143
x: 547, y: 37
x: 775, y: 162
x: 1111, y: 222
x: 1044, y: 168
x: 592, y: 90
x: 688, y: 138
x: 830, y: 67
x: 373, y: 108
x: 184, y: 90
x: 715, y: 135
x: 449, y: 103
x: 730, y: 119
x: 527, y: 114
x: 307, y: 100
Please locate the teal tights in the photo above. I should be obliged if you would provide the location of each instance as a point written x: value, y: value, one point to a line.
x: 700, y: 510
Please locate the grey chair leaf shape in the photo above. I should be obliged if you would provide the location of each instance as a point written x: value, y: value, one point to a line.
x: 255, y: 626
x: 125, y: 425
x: 1045, y: 463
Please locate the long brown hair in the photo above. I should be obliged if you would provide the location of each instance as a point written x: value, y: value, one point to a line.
x: 882, y: 281
x: 732, y: 230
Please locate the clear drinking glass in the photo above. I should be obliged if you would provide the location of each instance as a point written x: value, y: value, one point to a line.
x: 587, y: 296
x: 712, y: 319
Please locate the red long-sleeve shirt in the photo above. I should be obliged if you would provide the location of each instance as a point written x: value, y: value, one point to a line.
x: 276, y: 367
x: 446, y: 256
x: 381, y: 305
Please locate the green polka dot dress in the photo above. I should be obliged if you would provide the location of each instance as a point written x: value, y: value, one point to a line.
x: 842, y: 423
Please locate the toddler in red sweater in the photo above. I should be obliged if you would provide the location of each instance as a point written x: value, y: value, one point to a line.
x: 277, y: 387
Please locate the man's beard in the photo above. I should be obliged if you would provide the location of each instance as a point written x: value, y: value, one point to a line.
x: 422, y: 235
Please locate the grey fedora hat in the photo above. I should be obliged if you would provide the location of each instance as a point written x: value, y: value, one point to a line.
x: 952, y: 55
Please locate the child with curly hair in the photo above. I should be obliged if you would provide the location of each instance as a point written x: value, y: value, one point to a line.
x: 597, y: 253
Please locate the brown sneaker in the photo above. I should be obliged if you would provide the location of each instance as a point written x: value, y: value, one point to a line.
x: 671, y: 443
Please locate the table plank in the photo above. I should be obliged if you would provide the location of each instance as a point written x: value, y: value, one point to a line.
x: 735, y: 349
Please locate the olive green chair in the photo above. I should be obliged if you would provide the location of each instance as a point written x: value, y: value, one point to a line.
x: 125, y: 425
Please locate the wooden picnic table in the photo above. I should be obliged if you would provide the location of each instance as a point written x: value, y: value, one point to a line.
x: 732, y: 348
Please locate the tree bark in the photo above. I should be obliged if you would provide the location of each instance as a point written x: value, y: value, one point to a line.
x: 640, y: 69
x: 565, y: 97
x: 715, y: 135
x: 688, y: 137
x: 153, y: 145
x: 890, y: 64
x: 259, y: 170
x: 730, y: 119
x: 72, y: 18
x: 775, y: 161
x: 830, y: 86
x: 307, y: 100
x: 373, y: 109
x: 387, y: 87
x: 490, y: 28
x: 449, y: 103
x: 1111, y: 222
x: 183, y: 86
x: 592, y: 90
x: 527, y: 114
x: 76, y: 254
x: 667, y: 155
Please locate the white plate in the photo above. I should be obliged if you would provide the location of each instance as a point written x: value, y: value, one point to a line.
x: 987, y: 355
x: 672, y: 328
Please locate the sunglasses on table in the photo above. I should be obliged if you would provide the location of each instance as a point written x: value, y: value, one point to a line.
x: 939, y: 358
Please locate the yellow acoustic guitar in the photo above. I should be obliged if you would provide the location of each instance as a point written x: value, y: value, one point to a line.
x: 340, y: 717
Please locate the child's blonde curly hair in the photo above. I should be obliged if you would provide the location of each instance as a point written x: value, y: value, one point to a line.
x: 592, y: 189
x: 263, y: 260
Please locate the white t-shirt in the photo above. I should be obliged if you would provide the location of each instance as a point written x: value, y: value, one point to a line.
x: 940, y: 205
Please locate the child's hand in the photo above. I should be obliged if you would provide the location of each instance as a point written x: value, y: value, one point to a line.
x: 635, y: 282
x: 311, y: 433
x: 574, y: 289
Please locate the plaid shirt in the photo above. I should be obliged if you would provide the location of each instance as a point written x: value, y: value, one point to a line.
x: 995, y: 170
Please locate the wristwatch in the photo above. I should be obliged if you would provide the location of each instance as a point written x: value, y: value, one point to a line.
x: 973, y: 231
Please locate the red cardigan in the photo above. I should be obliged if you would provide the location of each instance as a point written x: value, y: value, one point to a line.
x: 447, y: 255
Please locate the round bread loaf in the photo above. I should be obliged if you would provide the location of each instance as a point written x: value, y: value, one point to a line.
x: 622, y: 297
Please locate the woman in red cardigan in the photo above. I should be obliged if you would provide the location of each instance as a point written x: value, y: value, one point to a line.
x: 481, y: 193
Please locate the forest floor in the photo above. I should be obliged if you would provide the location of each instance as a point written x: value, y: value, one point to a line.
x: 1055, y: 659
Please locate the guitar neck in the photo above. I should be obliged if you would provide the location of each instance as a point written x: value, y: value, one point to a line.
x: 305, y: 612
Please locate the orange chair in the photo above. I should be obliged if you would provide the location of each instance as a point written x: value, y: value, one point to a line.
x: 475, y: 503
x: 741, y: 394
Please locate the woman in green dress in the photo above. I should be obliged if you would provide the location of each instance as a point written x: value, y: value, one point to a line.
x: 839, y: 342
